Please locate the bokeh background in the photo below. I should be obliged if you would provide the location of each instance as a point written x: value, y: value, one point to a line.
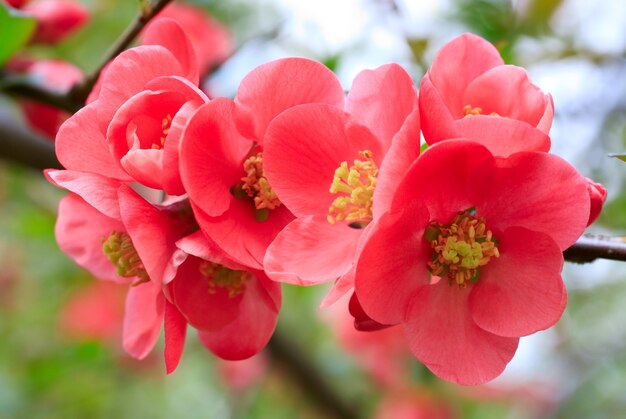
x: 60, y: 347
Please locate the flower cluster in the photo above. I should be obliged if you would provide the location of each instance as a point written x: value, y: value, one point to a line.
x: 204, y: 206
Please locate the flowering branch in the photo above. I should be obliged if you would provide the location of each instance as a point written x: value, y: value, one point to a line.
x: 80, y: 91
x: 75, y: 98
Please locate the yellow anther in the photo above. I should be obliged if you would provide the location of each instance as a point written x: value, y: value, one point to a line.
x: 166, y: 124
x: 119, y: 249
x: 256, y: 185
x: 355, y: 185
x: 468, y: 110
x: 460, y: 248
x: 220, y: 276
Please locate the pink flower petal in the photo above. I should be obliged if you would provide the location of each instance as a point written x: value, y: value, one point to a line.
x: 381, y: 100
x: 405, y: 148
x: 211, y: 157
x: 278, y: 85
x: 516, y: 98
x: 168, y: 33
x: 80, y: 137
x: 443, y: 336
x: 142, y: 319
x: 304, y: 146
x: 240, y: 235
x: 250, y: 331
x: 435, y: 117
x: 203, y: 309
x: 520, y: 292
x: 99, y: 191
x: 175, y: 328
x: 538, y: 191
x: 153, y: 233
x: 503, y: 136
x: 309, y: 251
x: 198, y: 245
x: 145, y: 166
x: 446, y: 178
x: 392, y: 264
x: 128, y: 74
x: 340, y: 288
x: 458, y: 63
x: 80, y: 230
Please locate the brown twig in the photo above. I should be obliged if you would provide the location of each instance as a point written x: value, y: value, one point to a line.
x: 308, y: 377
x: 80, y: 91
x: 591, y: 247
x: 75, y: 98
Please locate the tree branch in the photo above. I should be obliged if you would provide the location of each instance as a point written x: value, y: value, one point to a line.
x: 21, y: 145
x: 304, y: 372
x: 75, y: 98
x: 591, y: 247
x: 80, y: 91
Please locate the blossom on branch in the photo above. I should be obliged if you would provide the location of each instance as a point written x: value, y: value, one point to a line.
x: 468, y: 92
x: 469, y: 256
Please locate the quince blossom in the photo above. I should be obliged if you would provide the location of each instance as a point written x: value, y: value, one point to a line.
x: 222, y: 155
x: 468, y: 92
x: 336, y: 169
x: 470, y: 260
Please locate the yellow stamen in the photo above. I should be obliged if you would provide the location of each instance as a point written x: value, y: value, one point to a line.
x: 355, y: 185
x: 220, y: 276
x: 256, y: 185
x: 119, y: 249
x: 166, y: 124
x: 468, y: 110
x: 460, y: 248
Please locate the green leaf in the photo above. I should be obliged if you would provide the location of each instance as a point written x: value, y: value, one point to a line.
x: 15, y: 31
x: 621, y: 156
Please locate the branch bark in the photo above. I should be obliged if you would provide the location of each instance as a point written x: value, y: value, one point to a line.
x: 19, y: 144
x: 308, y: 377
x: 591, y: 247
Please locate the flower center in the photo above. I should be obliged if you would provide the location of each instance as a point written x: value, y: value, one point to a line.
x: 468, y: 110
x: 355, y: 186
x: 220, y: 276
x: 119, y: 249
x: 460, y: 248
x: 166, y: 124
x: 256, y: 186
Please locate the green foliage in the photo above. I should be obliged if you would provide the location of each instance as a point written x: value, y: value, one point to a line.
x: 621, y: 156
x: 16, y: 29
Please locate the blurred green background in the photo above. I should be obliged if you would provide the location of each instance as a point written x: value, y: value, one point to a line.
x: 574, y: 49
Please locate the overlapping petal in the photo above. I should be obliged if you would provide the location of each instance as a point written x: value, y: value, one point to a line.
x: 294, y: 255
x: 278, y: 85
x: 443, y: 336
x: 304, y: 146
x: 388, y: 271
x: 521, y: 292
x: 252, y: 328
x: 381, y: 100
x: 143, y: 316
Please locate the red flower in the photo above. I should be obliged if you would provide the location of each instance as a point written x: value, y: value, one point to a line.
x: 469, y: 256
x: 80, y: 231
x: 56, y: 19
x: 211, y: 41
x: 132, y: 127
x: 222, y: 163
x: 469, y: 92
x: 336, y: 171
x: 233, y: 308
